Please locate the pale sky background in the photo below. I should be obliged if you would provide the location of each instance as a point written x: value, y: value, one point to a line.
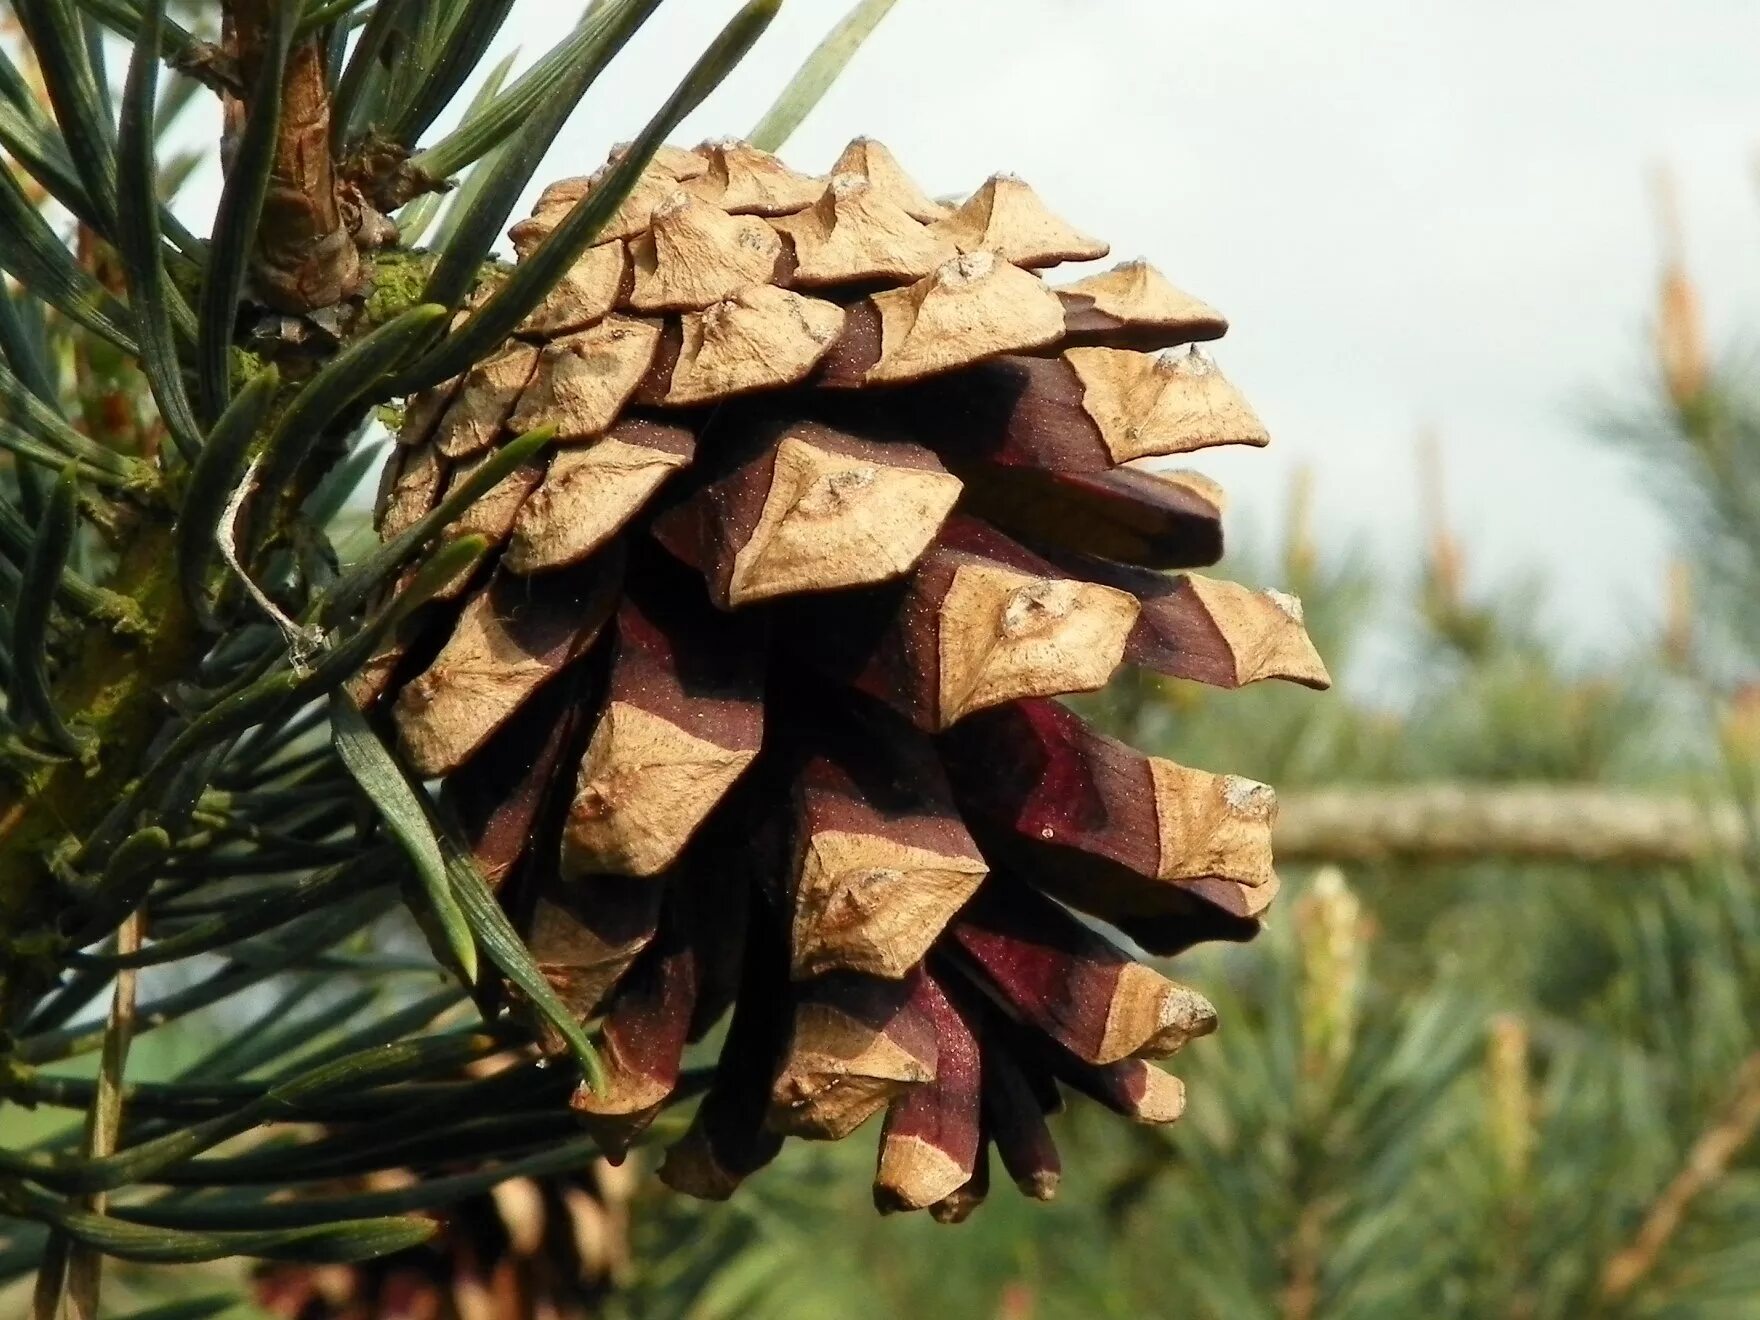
x: 1415, y: 213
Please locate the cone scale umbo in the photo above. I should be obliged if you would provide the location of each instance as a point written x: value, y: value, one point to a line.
x: 773, y: 639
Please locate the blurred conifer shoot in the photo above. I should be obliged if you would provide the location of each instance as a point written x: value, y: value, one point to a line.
x: 734, y: 546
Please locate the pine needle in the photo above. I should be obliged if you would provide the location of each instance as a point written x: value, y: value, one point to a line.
x: 822, y: 68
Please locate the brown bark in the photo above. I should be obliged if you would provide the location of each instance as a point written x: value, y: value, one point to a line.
x: 306, y: 257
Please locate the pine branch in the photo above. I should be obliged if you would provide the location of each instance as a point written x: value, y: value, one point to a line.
x: 1577, y: 823
x: 1305, y: 1256
x: 305, y: 257
x: 113, y: 693
x: 1706, y: 1163
x: 71, y: 1291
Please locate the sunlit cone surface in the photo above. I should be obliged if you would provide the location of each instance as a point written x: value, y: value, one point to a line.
x: 754, y: 706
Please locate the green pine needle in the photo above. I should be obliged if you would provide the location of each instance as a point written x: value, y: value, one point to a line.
x: 388, y: 786
x: 814, y: 79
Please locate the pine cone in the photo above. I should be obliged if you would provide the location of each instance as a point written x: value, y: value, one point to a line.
x: 752, y: 702
x: 554, y: 1247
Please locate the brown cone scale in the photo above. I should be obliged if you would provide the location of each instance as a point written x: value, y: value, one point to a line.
x: 752, y: 701
x: 858, y: 1042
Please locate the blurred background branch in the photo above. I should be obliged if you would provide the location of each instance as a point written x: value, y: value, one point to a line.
x: 1586, y: 824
